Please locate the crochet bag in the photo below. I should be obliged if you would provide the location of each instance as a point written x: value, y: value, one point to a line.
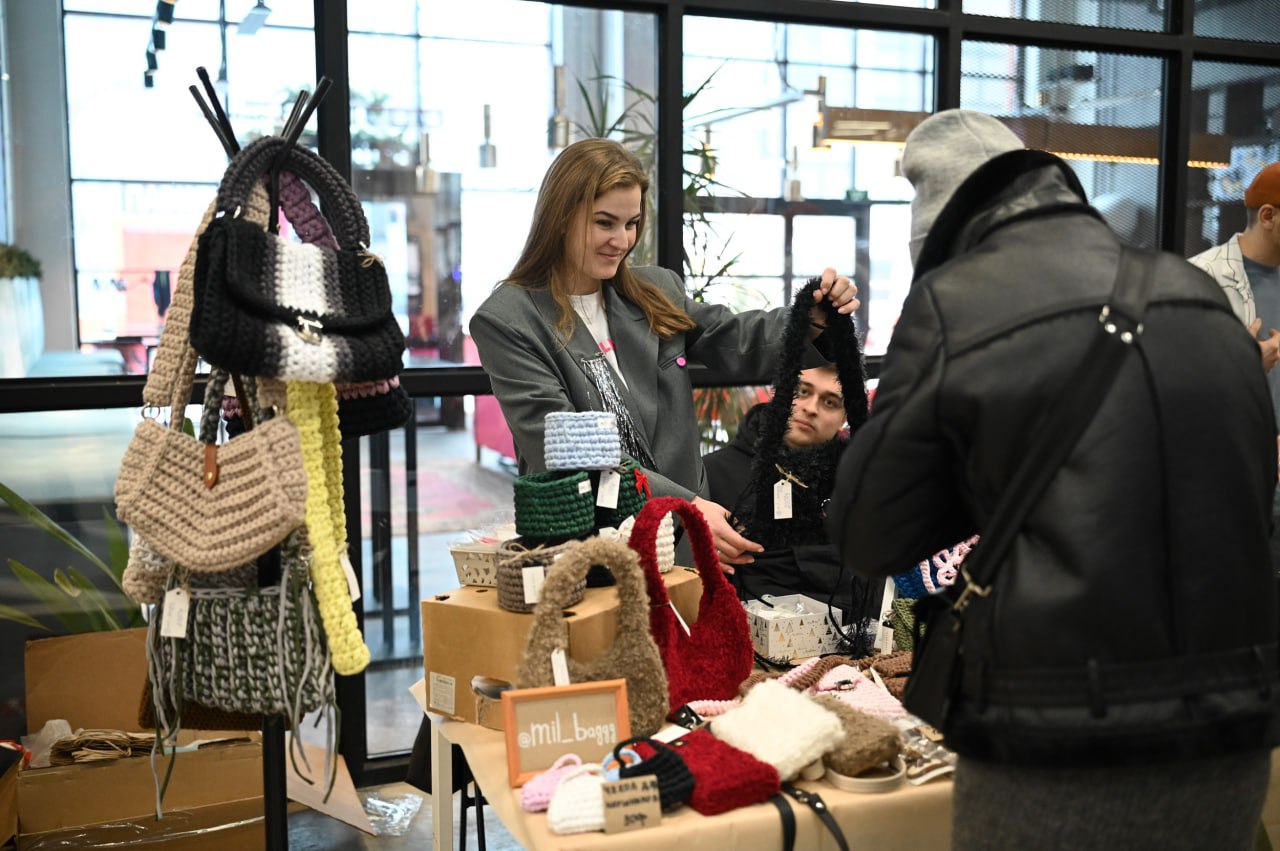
x: 536, y: 794
x: 675, y: 782
x: 246, y: 649
x: 268, y: 307
x: 519, y: 554
x: 366, y: 407
x: 867, y: 741
x: 716, y: 655
x: 934, y: 573
x: 781, y: 727
x: 633, y: 656
x: 810, y: 471
x: 577, y: 805
x: 724, y: 777
x: 211, y: 508
x: 554, y: 505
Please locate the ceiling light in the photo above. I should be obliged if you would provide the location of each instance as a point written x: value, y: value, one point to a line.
x: 1069, y: 140
x: 254, y: 20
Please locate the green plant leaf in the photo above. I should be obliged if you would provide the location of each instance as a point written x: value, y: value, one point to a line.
x: 16, y: 615
x: 117, y: 548
x: 59, y: 606
x: 91, y: 600
x: 41, y: 521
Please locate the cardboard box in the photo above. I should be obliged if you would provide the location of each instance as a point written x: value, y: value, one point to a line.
x: 96, y: 681
x: 790, y: 627
x: 237, y: 824
x: 62, y: 672
x: 466, y: 634
x: 10, y: 764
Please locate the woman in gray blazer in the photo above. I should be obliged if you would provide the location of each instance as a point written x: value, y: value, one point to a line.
x: 574, y: 328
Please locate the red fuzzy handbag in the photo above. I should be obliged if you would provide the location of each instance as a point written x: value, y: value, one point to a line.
x: 716, y: 655
x: 724, y: 778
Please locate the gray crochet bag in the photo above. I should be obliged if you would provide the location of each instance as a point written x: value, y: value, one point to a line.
x: 247, y: 649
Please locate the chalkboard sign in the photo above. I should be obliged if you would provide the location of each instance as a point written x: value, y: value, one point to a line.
x: 544, y: 724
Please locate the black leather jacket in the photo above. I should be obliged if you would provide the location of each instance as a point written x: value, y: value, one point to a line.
x: 1136, y: 615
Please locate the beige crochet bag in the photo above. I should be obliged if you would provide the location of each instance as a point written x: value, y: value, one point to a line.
x: 208, y: 508
x: 633, y: 656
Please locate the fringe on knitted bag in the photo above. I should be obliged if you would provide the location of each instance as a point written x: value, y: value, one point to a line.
x: 268, y: 307
x: 242, y: 649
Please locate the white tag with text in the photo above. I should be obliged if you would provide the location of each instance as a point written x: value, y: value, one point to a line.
x: 607, y: 496
x: 174, y: 622
x: 353, y: 584
x: 559, y: 667
x: 533, y: 577
x: 782, y: 500
x: 584, y: 486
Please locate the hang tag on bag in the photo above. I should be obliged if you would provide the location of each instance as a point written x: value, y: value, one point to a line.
x: 559, y: 667
x: 684, y: 626
x: 607, y: 496
x: 173, y: 623
x: 782, y: 500
x: 584, y: 486
x: 353, y: 584
x: 533, y: 576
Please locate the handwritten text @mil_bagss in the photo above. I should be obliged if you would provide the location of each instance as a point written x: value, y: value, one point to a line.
x: 558, y: 733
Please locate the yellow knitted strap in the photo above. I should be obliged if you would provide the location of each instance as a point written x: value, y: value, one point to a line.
x: 313, y: 408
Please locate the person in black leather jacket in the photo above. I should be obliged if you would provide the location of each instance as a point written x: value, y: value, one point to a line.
x: 1120, y: 684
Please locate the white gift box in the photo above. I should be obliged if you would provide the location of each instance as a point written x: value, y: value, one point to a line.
x: 791, y: 627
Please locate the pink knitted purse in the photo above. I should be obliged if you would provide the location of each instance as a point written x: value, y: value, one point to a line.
x: 536, y: 794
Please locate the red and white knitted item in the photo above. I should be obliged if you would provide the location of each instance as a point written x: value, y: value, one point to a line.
x: 780, y: 726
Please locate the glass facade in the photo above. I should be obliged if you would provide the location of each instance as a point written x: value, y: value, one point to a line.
x: 454, y: 112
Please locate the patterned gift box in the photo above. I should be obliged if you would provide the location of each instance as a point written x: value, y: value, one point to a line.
x: 795, y: 627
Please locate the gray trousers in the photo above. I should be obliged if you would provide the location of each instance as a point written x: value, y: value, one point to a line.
x: 1213, y: 803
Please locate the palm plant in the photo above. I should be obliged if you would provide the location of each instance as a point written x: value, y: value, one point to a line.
x: 71, y: 599
x: 718, y: 408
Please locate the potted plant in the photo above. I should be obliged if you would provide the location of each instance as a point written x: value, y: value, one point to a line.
x: 17, y: 263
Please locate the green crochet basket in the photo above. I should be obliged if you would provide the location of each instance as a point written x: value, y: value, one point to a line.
x: 555, y: 505
x: 633, y: 493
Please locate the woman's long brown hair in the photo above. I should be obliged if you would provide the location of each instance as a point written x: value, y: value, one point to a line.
x: 582, y: 173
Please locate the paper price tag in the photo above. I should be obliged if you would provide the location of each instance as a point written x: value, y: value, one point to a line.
x: 782, y: 500
x: 631, y: 803
x: 559, y: 667
x: 174, y: 622
x: 533, y: 576
x: 584, y: 486
x: 607, y: 496
x: 679, y: 619
x: 353, y: 584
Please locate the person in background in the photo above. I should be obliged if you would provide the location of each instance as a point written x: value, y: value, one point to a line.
x: 810, y: 568
x: 1120, y: 685
x: 1247, y: 267
x: 574, y: 327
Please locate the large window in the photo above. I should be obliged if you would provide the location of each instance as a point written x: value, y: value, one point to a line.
x: 1100, y: 111
x: 782, y: 198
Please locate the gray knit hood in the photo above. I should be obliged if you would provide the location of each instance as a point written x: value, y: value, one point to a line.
x: 940, y: 153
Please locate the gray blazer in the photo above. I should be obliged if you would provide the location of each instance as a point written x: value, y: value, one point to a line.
x: 534, y: 373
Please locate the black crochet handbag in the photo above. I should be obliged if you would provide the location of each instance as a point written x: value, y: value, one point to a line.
x: 269, y: 307
x: 811, y: 471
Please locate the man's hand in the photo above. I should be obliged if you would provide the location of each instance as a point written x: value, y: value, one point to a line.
x: 731, y: 547
x: 1270, y: 347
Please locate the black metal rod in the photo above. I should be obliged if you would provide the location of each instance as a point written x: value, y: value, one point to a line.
x: 275, y: 800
